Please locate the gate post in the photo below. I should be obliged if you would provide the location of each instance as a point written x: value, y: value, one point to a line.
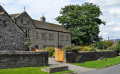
x: 64, y: 56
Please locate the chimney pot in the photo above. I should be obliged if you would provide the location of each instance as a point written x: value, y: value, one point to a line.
x: 43, y: 18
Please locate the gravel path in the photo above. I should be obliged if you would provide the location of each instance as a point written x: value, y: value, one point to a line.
x: 74, y: 68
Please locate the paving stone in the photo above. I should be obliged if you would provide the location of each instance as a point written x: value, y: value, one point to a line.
x: 55, y: 68
x: 71, y: 67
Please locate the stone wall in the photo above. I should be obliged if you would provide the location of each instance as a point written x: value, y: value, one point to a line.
x: 70, y: 57
x: 11, y: 36
x: 23, y: 59
x: 55, y: 42
x: 27, y: 26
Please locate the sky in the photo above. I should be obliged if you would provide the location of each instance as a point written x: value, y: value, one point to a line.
x: 51, y: 9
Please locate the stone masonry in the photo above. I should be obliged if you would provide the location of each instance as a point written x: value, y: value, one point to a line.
x: 11, y: 36
x: 70, y: 57
x: 23, y: 59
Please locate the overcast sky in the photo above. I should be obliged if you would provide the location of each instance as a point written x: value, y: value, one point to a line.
x: 51, y: 9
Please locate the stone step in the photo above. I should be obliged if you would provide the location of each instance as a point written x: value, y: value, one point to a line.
x: 55, y: 68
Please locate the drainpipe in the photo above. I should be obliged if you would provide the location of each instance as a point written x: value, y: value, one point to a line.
x: 58, y: 39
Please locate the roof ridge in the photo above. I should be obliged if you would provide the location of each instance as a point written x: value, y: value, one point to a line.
x: 46, y: 22
x: 14, y: 14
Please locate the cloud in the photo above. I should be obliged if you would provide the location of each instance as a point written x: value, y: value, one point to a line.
x: 110, y: 23
x: 117, y: 29
x: 36, y: 8
x: 105, y: 33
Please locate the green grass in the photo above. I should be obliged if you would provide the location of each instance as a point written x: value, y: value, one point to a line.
x: 29, y: 70
x: 100, y: 63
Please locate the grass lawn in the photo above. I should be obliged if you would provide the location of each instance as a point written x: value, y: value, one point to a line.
x: 100, y: 63
x: 29, y: 70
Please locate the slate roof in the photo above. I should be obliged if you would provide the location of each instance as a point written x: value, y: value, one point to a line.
x: 14, y: 15
x: 49, y: 26
x: 44, y: 25
x: 1, y: 13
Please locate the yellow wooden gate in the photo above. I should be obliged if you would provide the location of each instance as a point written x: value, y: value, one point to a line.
x: 58, y: 55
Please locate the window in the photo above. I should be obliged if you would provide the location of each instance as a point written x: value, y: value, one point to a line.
x: 51, y: 37
x: 28, y: 22
x: 43, y: 35
x: 21, y: 21
x: 27, y: 33
x: 36, y: 34
x: 67, y: 38
x: 61, y: 37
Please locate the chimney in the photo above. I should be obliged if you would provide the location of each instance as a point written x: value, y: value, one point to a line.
x: 43, y: 18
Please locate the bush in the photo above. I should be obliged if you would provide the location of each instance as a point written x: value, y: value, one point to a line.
x: 70, y: 48
x: 53, y: 54
x: 50, y: 50
x: 26, y: 46
x: 73, y: 48
x: 103, y: 44
x: 118, y: 46
x: 91, y: 45
x: 112, y: 48
x: 84, y: 48
x: 93, y: 49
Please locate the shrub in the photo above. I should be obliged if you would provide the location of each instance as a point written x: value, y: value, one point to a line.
x: 92, y: 45
x: 26, y: 46
x: 99, y: 44
x: 112, y: 48
x: 50, y: 50
x: 93, y: 49
x: 73, y: 48
x: 118, y: 46
x: 70, y: 48
x: 117, y: 52
x: 53, y: 54
x: 103, y: 44
x: 84, y: 48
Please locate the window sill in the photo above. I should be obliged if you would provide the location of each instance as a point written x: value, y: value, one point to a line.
x: 43, y: 39
x: 51, y: 39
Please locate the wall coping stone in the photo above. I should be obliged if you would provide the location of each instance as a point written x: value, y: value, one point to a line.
x: 89, y: 51
x: 22, y: 52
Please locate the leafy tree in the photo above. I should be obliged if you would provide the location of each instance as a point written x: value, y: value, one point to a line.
x: 82, y: 21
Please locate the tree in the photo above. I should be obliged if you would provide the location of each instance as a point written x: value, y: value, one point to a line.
x: 82, y: 21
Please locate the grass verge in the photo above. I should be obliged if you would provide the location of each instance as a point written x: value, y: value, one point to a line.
x: 29, y: 70
x: 99, y: 63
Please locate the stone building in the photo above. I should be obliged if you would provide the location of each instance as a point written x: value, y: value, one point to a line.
x: 41, y: 34
x: 11, y: 36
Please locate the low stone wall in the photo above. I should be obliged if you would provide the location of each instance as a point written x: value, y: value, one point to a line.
x: 70, y: 57
x: 23, y: 59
